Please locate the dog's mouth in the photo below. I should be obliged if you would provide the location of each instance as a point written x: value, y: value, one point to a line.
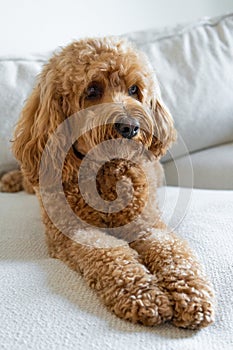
x: 123, y: 129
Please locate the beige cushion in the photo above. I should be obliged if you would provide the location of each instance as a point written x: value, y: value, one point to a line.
x: 210, y: 168
x: 193, y: 64
x: 17, y: 79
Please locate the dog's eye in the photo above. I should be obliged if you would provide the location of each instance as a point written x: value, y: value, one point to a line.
x: 94, y: 91
x: 133, y: 90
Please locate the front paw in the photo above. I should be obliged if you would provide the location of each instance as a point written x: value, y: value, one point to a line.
x: 193, y: 306
x: 146, y: 304
x: 180, y: 275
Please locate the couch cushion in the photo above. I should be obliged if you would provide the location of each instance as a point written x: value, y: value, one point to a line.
x: 193, y: 64
x: 17, y: 79
x: 210, y: 168
x: 45, y: 305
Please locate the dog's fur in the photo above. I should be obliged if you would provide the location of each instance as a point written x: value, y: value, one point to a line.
x: 154, y: 278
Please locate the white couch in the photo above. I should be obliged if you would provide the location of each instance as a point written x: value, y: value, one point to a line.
x: 44, y: 305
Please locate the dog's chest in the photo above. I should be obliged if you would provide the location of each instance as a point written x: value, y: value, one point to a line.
x: 115, y: 197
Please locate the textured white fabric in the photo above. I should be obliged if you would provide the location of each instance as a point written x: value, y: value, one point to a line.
x: 45, y: 305
x: 212, y: 168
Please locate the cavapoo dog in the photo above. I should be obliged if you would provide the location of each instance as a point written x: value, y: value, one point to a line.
x: 140, y: 269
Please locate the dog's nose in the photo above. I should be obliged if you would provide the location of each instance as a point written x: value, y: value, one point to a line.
x: 127, y: 127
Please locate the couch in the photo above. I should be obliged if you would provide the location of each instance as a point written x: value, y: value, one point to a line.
x: 45, y: 305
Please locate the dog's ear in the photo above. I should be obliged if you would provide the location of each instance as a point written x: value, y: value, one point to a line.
x: 39, y: 118
x: 164, y: 132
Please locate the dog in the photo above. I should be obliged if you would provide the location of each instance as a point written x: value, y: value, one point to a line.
x: 145, y: 273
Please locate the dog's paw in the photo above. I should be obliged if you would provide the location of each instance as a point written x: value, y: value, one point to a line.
x: 179, y: 274
x: 11, y: 182
x: 4, y: 187
x: 148, y: 305
x: 193, y: 309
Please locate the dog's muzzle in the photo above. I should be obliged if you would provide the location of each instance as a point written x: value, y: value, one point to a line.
x: 127, y: 127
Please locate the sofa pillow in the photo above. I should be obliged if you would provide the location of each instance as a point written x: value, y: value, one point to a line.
x: 194, y: 66
x: 17, y: 76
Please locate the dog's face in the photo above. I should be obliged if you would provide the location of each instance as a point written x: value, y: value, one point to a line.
x: 107, y: 73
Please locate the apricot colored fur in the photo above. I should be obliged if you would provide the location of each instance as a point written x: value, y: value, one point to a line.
x: 156, y: 277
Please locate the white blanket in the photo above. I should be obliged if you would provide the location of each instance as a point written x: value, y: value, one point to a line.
x: 45, y: 305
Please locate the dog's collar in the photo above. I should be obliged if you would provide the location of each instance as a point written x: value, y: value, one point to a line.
x: 78, y: 154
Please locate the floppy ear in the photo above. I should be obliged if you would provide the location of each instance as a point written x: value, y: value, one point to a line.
x: 164, y: 131
x: 39, y: 118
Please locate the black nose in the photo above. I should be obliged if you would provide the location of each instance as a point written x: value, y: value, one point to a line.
x: 127, y: 127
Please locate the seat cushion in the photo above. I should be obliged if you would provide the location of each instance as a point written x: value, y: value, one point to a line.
x: 210, y: 168
x: 45, y: 305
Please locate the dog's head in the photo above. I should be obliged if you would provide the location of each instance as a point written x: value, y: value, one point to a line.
x: 105, y: 72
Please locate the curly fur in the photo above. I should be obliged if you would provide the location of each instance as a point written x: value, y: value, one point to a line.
x: 155, y: 278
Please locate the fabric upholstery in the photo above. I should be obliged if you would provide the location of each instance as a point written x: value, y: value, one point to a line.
x: 45, y: 305
x: 209, y: 168
x: 193, y: 64
x: 17, y: 77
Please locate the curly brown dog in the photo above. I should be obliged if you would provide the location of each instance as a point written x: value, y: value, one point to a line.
x: 149, y: 276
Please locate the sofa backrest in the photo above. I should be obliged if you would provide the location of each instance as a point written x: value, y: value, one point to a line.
x: 193, y: 64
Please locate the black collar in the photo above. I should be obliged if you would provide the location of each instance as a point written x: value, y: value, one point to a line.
x: 78, y: 154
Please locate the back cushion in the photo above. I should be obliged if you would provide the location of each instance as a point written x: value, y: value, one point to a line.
x: 17, y: 77
x: 194, y: 66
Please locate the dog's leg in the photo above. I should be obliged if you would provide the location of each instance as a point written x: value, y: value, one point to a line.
x: 122, y: 282
x: 14, y: 181
x: 179, y: 273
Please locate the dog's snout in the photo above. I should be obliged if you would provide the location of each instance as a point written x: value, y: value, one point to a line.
x: 127, y: 127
